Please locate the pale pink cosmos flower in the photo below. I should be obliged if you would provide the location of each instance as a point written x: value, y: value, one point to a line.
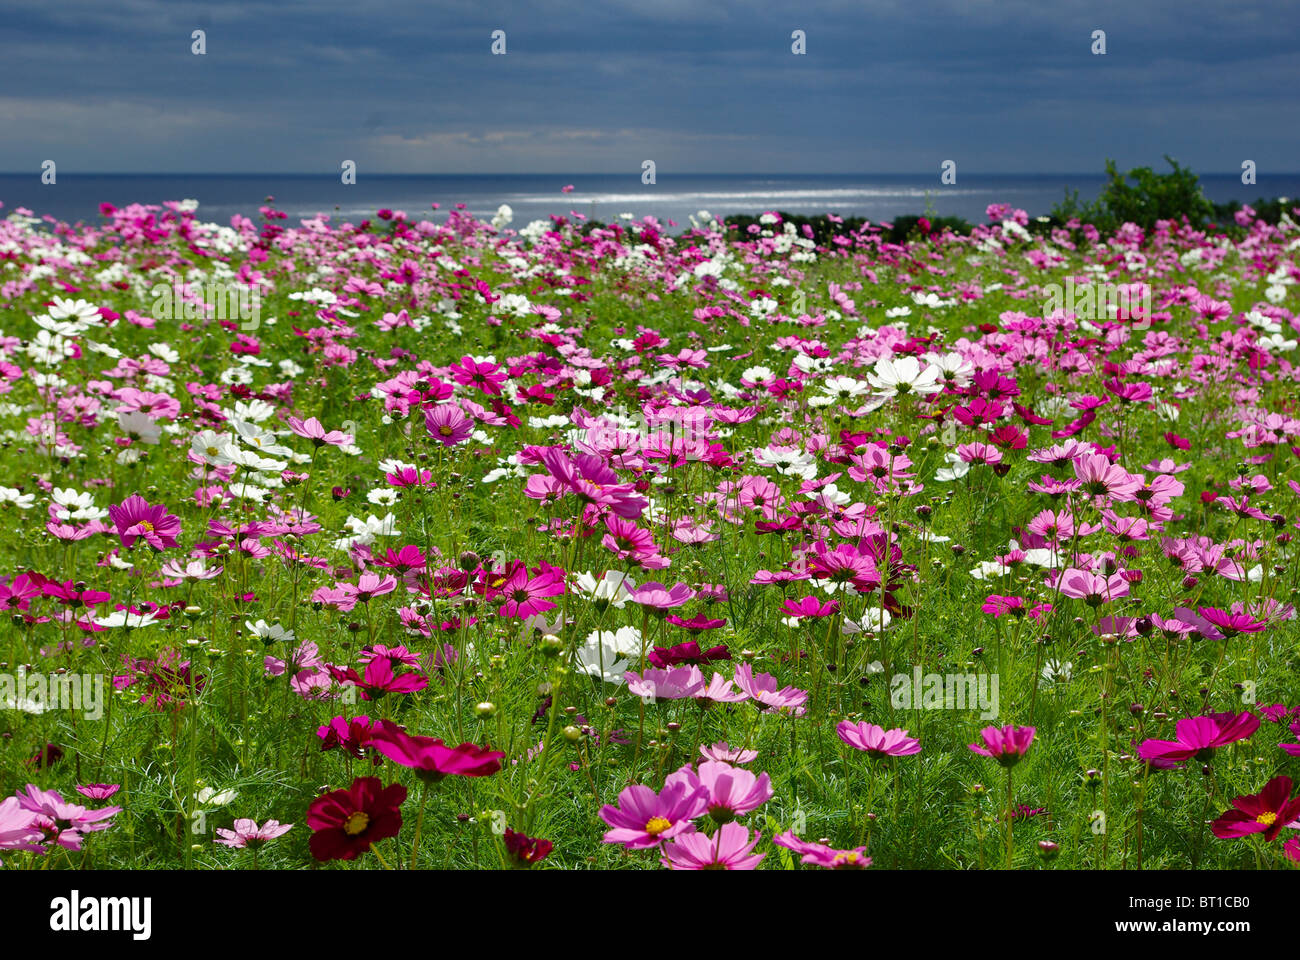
x: 247, y: 833
x: 313, y: 430
x: 721, y: 750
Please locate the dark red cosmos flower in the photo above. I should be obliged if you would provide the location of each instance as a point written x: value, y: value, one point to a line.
x: 526, y: 850
x: 432, y: 759
x: 346, y: 822
x: 48, y: 754
x: 688, y: 652
x: 1266, y: 812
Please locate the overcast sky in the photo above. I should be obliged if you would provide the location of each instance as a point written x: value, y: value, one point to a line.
x: 601, y: 85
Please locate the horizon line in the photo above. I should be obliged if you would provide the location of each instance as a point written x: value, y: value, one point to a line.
x: 630, y: 174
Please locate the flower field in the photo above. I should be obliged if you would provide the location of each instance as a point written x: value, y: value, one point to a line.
x: 415, y: 545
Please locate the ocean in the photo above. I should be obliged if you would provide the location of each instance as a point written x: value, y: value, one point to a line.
x: 675, y: 197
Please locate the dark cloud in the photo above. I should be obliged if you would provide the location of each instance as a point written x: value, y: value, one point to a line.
x: 412, y: 87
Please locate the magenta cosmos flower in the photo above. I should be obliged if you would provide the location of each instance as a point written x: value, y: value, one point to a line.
x: 731, y: 848
x: 877, y: 741
x: 432, y: 759
x: 1007, y: 745
x: 820, y: 855
x: 1199, y: 737
x: 247, y: 833
x: 136, y: 519
x: 733, y: 791
x: 347, y: 821
x: 592, y: 481
x: 526, y: 596
x: 1266, y: 812
x: 645, y: 819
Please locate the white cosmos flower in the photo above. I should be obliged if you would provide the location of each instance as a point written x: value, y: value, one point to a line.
x: 904, y: 375
x: 600, y: 657
x: 139, y: 426
x: 845, y: 388
x: 212, y: 448
x: 612, y: 588
x: 23, y: 501
x: 80, y: 311
x: 273, y: 632
x: 120, y: 618
x: 953, y: 368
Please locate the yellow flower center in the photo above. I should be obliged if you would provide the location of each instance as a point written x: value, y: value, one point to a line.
x: 356, y: 823
x: 445, y: 430
x: 213, y: 451
x: 1268, y: 818
x: 657, y: 825
x: 146, y: 525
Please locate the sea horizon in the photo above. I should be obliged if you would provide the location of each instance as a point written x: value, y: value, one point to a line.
x: 673, y: 199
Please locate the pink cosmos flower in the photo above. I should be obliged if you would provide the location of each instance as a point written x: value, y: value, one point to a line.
x: 721, y: 751
x: 673, y: 684
x: 447, y: 424
x: 313, y: 430
x: 18, y: 830
x: 247, y: 833
x: 1231, y: 623
x: 731, y: 848
x: 98, y: 791
x: 820, y: 855
x: 644, y: 818
x: 733, y: 791
x: 1007, y: 745
x: 876, y: 741
x: 62, y: 822
x: 656, y: 596
x: 136, y: 519
x: 1093, y: 589
x: 764, y: 691
x: 1101, y: 478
